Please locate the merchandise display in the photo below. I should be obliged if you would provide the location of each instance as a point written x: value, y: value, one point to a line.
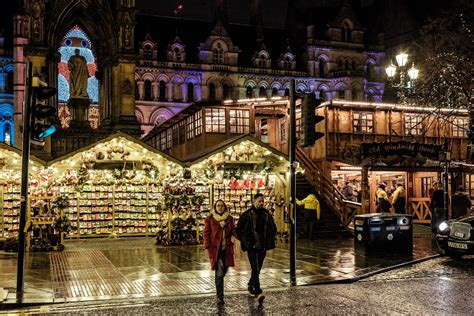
x: 122, y: 187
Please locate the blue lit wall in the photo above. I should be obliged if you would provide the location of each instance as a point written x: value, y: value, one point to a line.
x: 6, y: 123
x: 6, y: 101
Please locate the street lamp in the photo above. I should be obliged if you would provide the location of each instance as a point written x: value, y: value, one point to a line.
x: 407, y: 76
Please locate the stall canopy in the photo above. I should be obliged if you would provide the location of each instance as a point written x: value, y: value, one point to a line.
x: 10, y: 163
x: 244, y: 148
x: 118, y: 153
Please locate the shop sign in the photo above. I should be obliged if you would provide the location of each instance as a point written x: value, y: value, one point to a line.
x: 400, y: 153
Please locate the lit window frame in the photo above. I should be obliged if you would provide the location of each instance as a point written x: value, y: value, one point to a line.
x: 239, y: 121
x: 215, y: 120
x: 363, y: 122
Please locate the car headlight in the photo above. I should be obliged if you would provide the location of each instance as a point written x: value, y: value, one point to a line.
x: 443, y: 227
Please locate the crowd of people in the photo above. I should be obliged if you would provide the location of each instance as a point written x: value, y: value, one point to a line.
x: 394, y: 199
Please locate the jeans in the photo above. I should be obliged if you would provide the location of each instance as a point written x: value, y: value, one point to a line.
x: 310, y: 216
x: 256, y: 257
x: 221, y: 271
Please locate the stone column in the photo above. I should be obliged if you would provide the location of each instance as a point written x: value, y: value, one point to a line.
x: 197, y: 92
x: 141, y: 90
x: 154, y: 91
x: 169, y: 88
x: 184, y: 91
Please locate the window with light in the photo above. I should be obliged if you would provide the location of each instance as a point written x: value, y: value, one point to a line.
x: 413, y: 125
x: 362, y: 122
x: 215, y: 120
x: 239, y: 121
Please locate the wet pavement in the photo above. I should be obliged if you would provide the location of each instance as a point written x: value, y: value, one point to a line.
x: 95, y: 269
x: 441, y: 286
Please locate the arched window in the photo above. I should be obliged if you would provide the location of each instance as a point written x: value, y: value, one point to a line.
x: 287, y: 92
x: 287, y: 63
x: 148, y: 96
x: 249, y: 92
x: 339, y: 64
x: 262, y: 92
x: 177, y: 54
x: 347, y: 65
x: 321, y: 68
x: 226, y: 91
x: 212, y: 92
x: 6, y: 124
x: 322, y: 95
x: 274, y: 92
x: 162, y: 90
x: 218, y: 54
x: 370, y: 71
x: 7, y: 134
x: 341, y: 93
x: 9, y: 87
x: 147, y: 52
x: 346, y: 33
x: 77, y: 40
x: 354, y: 64
x: 355, y: 94
x: 190, y: 91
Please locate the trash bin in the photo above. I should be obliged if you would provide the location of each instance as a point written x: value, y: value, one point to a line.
x: 383, y: 232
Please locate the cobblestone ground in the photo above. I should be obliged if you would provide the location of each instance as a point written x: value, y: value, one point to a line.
x: 440, y: 286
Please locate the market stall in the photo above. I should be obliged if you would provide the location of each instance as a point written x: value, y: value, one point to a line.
x: 41, y: 216
x: 236, y: 170
x: 120, y: 186
x: 116, y: 187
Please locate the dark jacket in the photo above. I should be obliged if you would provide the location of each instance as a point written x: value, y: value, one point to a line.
x: 437, y: 199
x: 245, y: 230
x: 461, y: 204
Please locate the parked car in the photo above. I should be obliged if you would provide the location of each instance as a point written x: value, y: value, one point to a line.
x: 456, y: 236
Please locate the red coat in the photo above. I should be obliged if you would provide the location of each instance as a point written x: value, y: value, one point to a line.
x: 212, y: 240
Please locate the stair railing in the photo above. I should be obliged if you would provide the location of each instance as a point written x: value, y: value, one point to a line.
x: 344, y: 209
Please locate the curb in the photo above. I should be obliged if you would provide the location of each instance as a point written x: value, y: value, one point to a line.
x: 369, y: 274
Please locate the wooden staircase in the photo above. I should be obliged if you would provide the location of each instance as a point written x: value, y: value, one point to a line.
x: 328, y: 225
x: 327, y: 191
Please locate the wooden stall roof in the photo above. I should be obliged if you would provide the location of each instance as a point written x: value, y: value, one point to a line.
x: 110, y: 138
x: 222, y: 146
x: 17, y: 151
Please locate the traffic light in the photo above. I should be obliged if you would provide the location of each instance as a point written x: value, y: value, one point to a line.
x: 308, y: 121
x: 44, y: 116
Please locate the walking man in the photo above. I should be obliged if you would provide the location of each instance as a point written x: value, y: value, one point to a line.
x: 256, y: 231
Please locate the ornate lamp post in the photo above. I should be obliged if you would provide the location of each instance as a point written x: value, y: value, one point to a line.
x: 407, y: 76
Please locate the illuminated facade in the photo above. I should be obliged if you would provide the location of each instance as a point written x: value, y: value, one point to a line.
x: 7, y: 134
x: 179, y: 65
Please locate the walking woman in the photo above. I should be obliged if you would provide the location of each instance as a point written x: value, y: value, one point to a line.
x: 218, y: 231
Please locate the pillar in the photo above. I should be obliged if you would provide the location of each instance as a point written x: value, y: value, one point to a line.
x: 365, y: 191
x: 169, y: 91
